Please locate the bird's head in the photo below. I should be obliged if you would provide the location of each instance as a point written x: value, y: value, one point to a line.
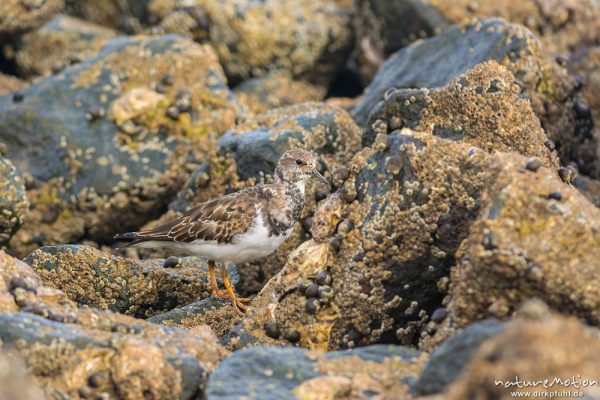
x: 297, y: 165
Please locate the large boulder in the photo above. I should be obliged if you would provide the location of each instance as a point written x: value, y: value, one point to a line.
x: 447, y: 362
x: 59, y: 43
x: 535, y: 236
x: 306, y: 39
x: 554, y: 95
x: 140, y: 288
x: 248, y: 153
x: 13, y: 201
x: 381, y: 251
x: 562, y: 26
x: 85, y: 352
x: 272, y: 373
x: 385, y: 26
x: 484, y: 107
x: 104, y: 145
x: 18, y: 16
x: 549, y: 353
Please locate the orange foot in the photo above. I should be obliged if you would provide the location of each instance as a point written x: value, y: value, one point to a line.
x: 228, y: 293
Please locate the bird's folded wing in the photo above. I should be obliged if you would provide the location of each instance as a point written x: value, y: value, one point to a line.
x: 219, y: 219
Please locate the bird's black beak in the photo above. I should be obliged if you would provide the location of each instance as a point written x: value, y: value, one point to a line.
x: 317, y: 175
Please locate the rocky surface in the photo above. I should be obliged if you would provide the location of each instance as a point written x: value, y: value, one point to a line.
x: 10, y: 84
x: 384, y: 27
x: 553, y: 93
x: 456, y: 245
x: 535, y: 237
x: 186, y: 18
x: 18, y: 16
x: 260, y: 95
x: 447, y: 362
x: 522, y: 351
x: 256, y: 37
x: 14, y: 382
x: 84, y: 352
x: 247, y: 155
x: 387, y: 237
x: 13, y: 201
x: 139, y: 288
x: 484, y: 107
x: 124, y: 15
x: 61, y: 42
x: 102, y: 148
x: 562, y: 26
x: 272, y: 373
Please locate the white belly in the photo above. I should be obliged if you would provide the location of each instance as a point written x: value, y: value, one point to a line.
x: 252, y: 245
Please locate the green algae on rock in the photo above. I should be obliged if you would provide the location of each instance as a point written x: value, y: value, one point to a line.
x: 13, y: 201
x: 484, y: 107
x: 19, y: 16
x: 552, y: 92
x: 406, y: 205
x: 74, y: 351
x: 139, y: 288
x: 260, y: 95
x: 272, y: 373
x: 535, y: 237
x: 90, y: 177
x: 59, y: 43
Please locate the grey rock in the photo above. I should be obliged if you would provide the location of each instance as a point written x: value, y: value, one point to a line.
x: 177, y: 315
x: 447, y: 361
x: 94, y: 142
x: 272, y: 373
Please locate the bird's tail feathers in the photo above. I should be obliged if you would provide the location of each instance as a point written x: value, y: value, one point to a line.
x: 133, y: 238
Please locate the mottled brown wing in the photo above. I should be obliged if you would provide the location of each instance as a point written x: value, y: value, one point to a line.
x: 219, y: 219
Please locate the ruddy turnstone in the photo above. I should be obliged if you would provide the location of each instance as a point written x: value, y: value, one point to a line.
x: 239, y: 227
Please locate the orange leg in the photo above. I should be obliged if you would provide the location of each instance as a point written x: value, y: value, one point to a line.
x: 236, y: 301
x: 214, y: 286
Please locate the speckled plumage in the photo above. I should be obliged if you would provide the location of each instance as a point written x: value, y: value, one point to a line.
x: 264, y: 214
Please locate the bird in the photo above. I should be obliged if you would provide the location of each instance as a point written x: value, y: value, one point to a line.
x: 239, y: 227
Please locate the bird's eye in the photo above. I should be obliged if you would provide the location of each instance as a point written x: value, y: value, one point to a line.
x: 300, y: 162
